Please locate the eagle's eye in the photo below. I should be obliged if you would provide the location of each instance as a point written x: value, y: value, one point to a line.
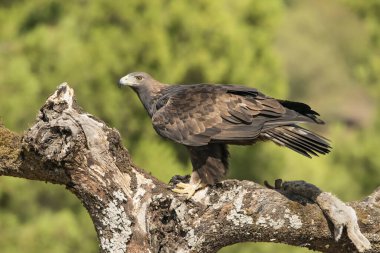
x: 139, y: 77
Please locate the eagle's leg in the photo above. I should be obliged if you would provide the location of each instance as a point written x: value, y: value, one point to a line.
x: 190, y: 188
x: 210, y: 164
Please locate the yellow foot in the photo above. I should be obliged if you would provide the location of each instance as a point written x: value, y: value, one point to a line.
x: 188, y: 189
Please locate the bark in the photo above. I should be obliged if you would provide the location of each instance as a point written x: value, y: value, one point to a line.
x: 134, y: 212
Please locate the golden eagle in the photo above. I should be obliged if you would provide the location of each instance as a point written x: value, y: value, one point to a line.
x: 206, y: 117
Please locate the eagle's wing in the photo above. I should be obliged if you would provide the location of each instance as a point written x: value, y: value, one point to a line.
x: 196, y: 115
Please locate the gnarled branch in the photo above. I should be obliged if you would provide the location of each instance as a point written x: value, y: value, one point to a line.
x: 132, y: 211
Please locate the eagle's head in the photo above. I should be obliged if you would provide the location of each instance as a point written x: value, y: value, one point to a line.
x: 135, y: 79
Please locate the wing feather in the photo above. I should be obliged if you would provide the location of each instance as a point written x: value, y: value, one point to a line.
x: 196, y: 115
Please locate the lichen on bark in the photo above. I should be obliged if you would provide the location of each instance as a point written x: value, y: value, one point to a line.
x: 9, y: 147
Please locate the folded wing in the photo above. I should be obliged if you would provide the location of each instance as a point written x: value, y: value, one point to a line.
x: 196, y: 115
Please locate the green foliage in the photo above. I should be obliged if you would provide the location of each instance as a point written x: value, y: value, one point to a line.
x: 37, y: 217
x: 326, y: 53
x: 262, y: 248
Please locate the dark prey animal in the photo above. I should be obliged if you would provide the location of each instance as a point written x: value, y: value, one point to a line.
x: 206, y: 118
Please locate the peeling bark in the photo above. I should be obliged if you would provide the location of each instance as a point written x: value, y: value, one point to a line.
x: 134, y: 212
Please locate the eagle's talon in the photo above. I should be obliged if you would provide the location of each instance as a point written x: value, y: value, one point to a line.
x: 187, y: 189
x: 183, y: 185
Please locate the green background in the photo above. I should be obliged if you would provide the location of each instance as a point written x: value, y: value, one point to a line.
x: 322, y: 52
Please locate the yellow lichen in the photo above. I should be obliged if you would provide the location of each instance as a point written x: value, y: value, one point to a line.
x: 9, y: 147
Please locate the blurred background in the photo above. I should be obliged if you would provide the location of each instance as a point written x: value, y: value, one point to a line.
x: 322, y: 52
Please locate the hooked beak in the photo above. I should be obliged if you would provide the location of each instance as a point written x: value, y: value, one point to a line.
x: 126, y: 81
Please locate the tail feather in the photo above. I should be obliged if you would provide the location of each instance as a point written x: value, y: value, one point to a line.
x: 298, y: 144
x: 299, y: 139
x: 283, y: 142
x: 308, y: 138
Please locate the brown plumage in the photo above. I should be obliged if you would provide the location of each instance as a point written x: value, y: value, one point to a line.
x: 205, y: 118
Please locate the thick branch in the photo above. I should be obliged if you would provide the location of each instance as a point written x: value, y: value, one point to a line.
x: 133, y: 211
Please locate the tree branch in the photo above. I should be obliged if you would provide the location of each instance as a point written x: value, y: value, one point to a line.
x: 132, y: 211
